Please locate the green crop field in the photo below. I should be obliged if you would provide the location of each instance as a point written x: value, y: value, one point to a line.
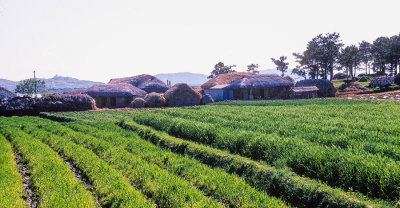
x: 282, y: 153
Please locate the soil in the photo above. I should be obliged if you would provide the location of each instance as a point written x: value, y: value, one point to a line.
x: 389, y: 95
x: 30, y: 198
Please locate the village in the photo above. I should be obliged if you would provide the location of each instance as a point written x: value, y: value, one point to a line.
x: 147, y: 91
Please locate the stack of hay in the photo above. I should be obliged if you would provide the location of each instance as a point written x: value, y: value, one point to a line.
x: 350, y: 87
x: 138, y: 103
x: 340, y: 75
x: 206, y: 99
x: 155, y: 100
x: 63, y: 102
x: 325, y: 87
x: 182, y: 95
x: 17, y: 106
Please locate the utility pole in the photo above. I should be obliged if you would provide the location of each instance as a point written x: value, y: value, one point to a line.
x: 34, y: 80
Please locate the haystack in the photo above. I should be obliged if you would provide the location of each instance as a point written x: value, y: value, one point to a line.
x: 138, y: 103
x: 325, y: 87
x: 145, y: 82
x: 224, y: 79
x: 4, y: 93
x: 206, y: 99
x: 290, y: 79
x: 74, y: 92
x: 340, y: 75
x: 64, y: 102
x: 17, y: 106
x: 155, y: 100
x: 182, y: 95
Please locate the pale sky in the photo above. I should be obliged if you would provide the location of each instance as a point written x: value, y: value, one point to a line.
x: 98, y: 40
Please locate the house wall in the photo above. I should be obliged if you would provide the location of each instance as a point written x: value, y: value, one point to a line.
x: 304, y: 95
x: 262, y: 93
x: 217, y: 94
x: 112, y: 101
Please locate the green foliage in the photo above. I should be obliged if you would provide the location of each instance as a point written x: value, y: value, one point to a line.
x: 11, y: 189
x: 53, y: 181
x: 349, y: 59
x: 221, y: 68
x: 165, y: 189
x: 252, y: 68
x: 108, y: 184
x: 31, y: 86
x: 281, y: 64
x: 320, y: 144
x: 215, y: 182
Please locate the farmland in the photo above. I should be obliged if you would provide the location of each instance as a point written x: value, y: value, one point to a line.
x: 283, y: 153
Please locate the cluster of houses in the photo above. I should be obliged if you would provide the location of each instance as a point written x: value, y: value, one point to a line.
x: 121, y: 92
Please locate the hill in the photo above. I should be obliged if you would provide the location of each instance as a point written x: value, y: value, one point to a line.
x: 192, y: 79
x: 55, y: 84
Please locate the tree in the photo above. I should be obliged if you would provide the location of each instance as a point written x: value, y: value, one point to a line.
x: 281, y: 65
x: 220, y: 68
x: 350, y: 59
x: 299, y: 72
x: 365, y: 52
x: 31, y: 86
x: 321, y: 55
x: 252, y: 68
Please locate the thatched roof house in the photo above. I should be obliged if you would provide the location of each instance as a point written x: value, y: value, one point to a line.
x: 224, y: 79
x: 325, y: 87
x: 4, y: 93
x: 114, y: 95
x: 145, y: 82
x: 260, y: 86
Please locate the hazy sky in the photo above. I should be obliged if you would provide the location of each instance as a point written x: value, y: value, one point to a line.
x: 98, y: 40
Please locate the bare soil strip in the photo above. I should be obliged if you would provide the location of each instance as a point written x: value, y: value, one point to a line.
x: 30, y: 197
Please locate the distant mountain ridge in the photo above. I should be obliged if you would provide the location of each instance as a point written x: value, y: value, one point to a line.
x: 192, y: 79
x: 55, y: 84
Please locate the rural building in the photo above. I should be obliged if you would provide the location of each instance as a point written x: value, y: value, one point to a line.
x: 304, y: 92
x: 114, y: 95
x: 144, y: 82
x: 216, y: 86
x: 325, y: 87
x: 247, y: 86
x: 261, y: 86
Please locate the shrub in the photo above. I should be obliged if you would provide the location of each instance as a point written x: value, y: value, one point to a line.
x: 381, y: 82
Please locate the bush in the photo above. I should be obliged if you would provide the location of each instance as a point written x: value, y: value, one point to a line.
x: 381, y: 82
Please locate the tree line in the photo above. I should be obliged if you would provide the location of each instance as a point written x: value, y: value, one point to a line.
x: 326, y: 54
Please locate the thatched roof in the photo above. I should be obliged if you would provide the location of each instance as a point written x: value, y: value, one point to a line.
x: 115, y: 90
x: 221, y: 79
x: 4, y: 93
x: 145, y: 82
x: 260, y: 81
x: 325, y: 87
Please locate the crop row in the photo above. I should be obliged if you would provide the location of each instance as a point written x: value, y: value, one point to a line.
x: 163, y: 188
x: 230, y: 190
x: 367, y: 173
x: 53, y: 182
x: 11, y: 188
x: 109, y: 185
x: 330, y: 133
x: 297, y: 190
x: 215, y: 182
